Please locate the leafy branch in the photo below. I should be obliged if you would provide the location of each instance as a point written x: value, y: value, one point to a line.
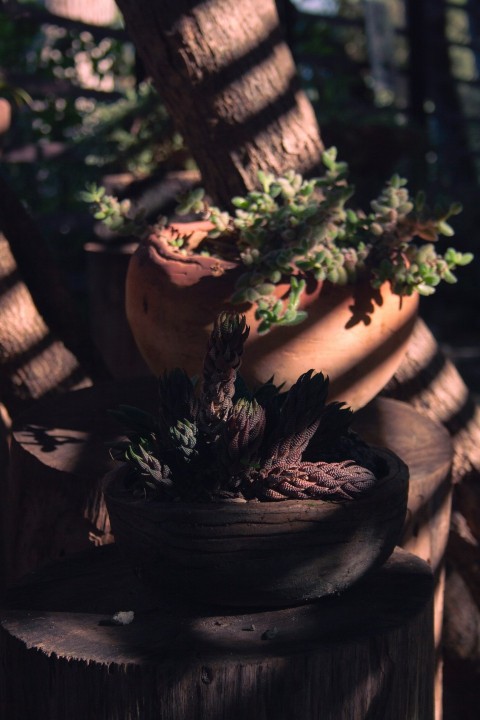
x: 292, y: 228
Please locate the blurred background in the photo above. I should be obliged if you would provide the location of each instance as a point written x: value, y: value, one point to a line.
x: 395, y: 85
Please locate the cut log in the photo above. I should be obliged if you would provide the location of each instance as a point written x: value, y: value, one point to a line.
x: 364, y: 655
x: 430, y: 383
x: 28, y: 259
x: 461, y: 650
x: 426, y: 447
x: 59, y: 454
x: 33, y: 361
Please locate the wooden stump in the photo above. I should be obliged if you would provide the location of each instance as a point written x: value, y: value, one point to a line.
x: 366, y: 654
x: 58, y: 457
x: 426, y: 447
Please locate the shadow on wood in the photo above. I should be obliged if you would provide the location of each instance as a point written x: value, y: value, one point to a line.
x: 364, y: 655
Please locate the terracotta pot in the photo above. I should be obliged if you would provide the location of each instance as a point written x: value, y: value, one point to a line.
x: 354, y: 334
x: 268, y: 554
x: 5, y: 116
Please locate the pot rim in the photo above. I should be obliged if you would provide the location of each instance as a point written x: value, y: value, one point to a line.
x: 396, y: 469
x: 160, y: 251
x: 158, y: 242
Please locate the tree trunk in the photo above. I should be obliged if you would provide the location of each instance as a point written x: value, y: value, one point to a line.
x: 229, y: 82
x: 96, y: 12
x: 26, y: 258
x: 33, y: 361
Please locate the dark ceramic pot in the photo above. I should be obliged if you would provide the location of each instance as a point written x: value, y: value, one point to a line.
x: 260, y: 554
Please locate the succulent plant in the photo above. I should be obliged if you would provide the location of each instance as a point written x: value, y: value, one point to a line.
x: 292, y: 228
x: 214, y: 439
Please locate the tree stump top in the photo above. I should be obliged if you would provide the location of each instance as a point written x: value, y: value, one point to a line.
x: 67, y: 609
x: 367, y: 653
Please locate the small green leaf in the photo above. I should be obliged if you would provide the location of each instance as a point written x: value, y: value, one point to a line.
x: 299, y: 317
x: 329, y: 157
x: 425, y: 290
x: 445, y: 229
x: 449, y: 277
x: 265, y: 289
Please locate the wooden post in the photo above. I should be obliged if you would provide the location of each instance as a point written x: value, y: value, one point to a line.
x: 426, y: 532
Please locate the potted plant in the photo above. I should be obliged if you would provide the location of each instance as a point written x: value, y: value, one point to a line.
x: 314, y: 277
x: 250, y: 498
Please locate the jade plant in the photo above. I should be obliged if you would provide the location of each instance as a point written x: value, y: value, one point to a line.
x: 215, y: 439
x: 291, y: 228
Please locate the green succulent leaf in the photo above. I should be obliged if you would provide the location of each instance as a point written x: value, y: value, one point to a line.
x: 290, y: 227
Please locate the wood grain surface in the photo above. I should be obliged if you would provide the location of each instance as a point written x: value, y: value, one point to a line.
x: 364, y: 655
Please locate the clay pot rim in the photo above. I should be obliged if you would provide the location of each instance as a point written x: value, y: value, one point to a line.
x: 158, y: 242
x: 161, y: 251
x: 396, y: 470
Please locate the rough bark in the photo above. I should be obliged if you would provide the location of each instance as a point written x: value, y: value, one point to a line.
x: 96, y: 12
x: 461, y: 651
x: 31, y: 262
x: 429, y: 382
x: 229, y: 82
x: 36, y: 13
x: 33, y: 361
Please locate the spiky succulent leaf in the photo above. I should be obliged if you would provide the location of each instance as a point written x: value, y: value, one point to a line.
x: 335, y: 422
x: 177, y: 400
x: 242, y: 433
x: 267, y: 392
x: 149, y: 475
x: 221, y: 365
x: 183, y: 436
x: 232, y: 442
x: 298, y: 418
x: 321, y: 481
